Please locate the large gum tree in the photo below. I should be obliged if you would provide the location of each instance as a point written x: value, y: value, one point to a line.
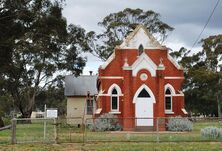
x: 116, y: 26
x: 38, y: 46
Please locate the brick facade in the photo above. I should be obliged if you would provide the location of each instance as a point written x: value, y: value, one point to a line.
x: 127, y: 71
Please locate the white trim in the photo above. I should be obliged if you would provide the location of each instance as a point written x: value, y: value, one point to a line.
x: 108, y: 95
x: 174, y: 62
x: 111, y: 107
x: 169, y: 112
x: 110, y: 77
x: 173, y: 77
x: 110, y: 59
x: 184, y: 111
x: 114, y: 112
x: 147, y: 89
x: 140, y: 35
x: 171, y: 102
x: 173, y: 93
x: 150, y: 48
x: 180, y: 93
x: 119, y: 92
x: 127, y: 68
x: 171, y: 89
x: 114, y: 85
x: 98, y: 111
x: 144, y: 62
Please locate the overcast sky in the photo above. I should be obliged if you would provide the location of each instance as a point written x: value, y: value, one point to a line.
x: 187, y: 17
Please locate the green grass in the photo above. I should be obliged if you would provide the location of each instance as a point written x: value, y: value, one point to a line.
x: 115, y: 147
x: 108, y: 141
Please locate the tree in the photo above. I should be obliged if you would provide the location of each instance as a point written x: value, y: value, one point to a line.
x: 203, y: 76
x: 212, y: 53
x: 53, y: 97
x: 39, y: 50
x: 117, y: 25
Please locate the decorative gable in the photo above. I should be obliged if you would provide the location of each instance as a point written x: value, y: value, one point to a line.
x: 144, y: 62
x: 140, y: 36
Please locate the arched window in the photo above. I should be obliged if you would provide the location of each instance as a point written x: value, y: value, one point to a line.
x: 114, y: 100
x: 144, y: 94
x: 141, y: 49
x: 168, y: 100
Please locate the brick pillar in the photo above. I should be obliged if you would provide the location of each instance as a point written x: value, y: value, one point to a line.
x: 160, y: 98
x: 128, y: 121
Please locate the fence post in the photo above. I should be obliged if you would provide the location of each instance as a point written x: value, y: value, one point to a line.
x: 157, y: 130
x: 13, y: 139
x: 84, y: 132
x: 55, y: 130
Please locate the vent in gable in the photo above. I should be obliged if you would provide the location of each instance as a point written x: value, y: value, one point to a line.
x: 141, y: 49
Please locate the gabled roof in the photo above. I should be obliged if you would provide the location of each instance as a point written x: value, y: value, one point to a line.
x: 79, y: 86
x: 140, y: 36
x: 144, y: 62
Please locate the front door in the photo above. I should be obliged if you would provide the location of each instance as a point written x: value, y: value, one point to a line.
x: 144, y: 109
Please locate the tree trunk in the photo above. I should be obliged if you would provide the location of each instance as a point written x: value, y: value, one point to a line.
x: 1, y: 122
x: 218, y: 107
x: 28, y: 109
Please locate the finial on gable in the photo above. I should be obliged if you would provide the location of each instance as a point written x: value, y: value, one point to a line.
x: 161, y: 65
x: 126, y: 62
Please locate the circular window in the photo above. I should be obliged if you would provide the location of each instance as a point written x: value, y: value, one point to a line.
x: 143, y: 77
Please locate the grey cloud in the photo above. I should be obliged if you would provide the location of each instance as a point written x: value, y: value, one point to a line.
x: 187, y: 17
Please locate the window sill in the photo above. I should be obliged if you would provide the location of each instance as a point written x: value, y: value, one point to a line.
x: 169, y: 112
x: 115, y: 112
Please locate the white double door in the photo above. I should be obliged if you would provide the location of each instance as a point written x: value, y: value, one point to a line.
x: 144, y: 111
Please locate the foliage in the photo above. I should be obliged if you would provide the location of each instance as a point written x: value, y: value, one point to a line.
x: 203, y: 76
x: 211, y: 132
x: 38, y: 47
x: 53, y: 97
x: 106, y: 122
x: 117, y: 25
x: 179, y: 124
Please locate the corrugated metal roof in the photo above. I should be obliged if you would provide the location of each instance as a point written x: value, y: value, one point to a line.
x: 78, y: 86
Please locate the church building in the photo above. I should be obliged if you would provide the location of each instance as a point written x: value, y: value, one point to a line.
x: 140, y: 81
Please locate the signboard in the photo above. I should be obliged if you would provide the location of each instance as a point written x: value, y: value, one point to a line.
x: 51, y: 113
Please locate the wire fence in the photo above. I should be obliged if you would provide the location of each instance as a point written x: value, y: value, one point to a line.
x: 29, y: 130
x: 77, y: 130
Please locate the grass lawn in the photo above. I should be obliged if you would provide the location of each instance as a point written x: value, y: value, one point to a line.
x: 71, y: 138
x: 207, y: 146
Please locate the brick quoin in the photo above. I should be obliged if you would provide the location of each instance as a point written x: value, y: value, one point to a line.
x: 126, y: 68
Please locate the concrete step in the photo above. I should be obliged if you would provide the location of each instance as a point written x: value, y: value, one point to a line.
x: 144, y: 128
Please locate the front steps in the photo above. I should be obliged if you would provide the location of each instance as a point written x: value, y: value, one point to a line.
x: 144, y: 128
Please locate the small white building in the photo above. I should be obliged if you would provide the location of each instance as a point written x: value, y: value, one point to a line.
x: 80, y: 92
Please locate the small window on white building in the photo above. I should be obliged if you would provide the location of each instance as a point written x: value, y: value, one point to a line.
x: 89, y: 104
x: 168, y: 100
x: 114, y: 100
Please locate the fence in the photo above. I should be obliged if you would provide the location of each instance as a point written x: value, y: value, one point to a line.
x: 29, y: 130
x: 77, y: 130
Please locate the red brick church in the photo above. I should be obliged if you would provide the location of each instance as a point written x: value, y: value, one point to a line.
x: 141, y: 80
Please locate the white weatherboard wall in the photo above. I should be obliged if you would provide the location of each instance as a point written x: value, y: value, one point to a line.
x: 75, y: 108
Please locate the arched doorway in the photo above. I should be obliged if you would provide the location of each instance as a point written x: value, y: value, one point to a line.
x: 144, y: 100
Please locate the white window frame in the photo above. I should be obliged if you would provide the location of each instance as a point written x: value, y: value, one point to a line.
x: 173, y: 93
x: 171, y: 101
x: 114, y: 95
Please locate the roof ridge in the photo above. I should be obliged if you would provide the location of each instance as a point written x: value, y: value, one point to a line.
x: 135, y: 31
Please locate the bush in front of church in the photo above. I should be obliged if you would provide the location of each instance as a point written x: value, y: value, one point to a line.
x: 106, y: 122
x: 179, y: 124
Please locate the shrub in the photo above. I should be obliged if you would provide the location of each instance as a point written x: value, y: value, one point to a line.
x: 179, y: 124
x: 211, y: 132
x: 106, y: 122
